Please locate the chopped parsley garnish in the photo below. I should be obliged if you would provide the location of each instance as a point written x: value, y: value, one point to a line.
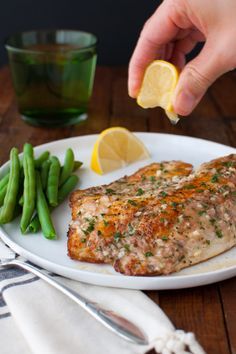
x: 161, y: 166
x: 234, y: 193
x: 106, y: 223
x: 148, y: 254
x: 208, y: 242
x: 110, y: 191
x: 90, y: 227
x: 219, y: 233
x: 144, y: 178
x: 174, y: 204
x: 152, y: 178
x: 162, y: 220
x: 131, y: 230
x: 189, y: 186
x: 228, y: 163
x: 140, y: 191
x: 83, y: 240
x: 163, y: 194
x: 200, y: 190
x: 164, y: 238
x: 212, y: 221
x: 117, y: 236
x: 215, y: 178
x: 127, y: 247
x: 132, y: 202
x: 201, y: 212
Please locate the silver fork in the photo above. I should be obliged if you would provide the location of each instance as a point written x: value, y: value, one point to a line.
x: 114, y: 322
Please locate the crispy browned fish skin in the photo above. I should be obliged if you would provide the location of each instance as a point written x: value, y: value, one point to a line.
x: 94, y: 201
x: 161, y: 231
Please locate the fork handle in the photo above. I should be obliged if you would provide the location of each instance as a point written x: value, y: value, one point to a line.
x: 114, y: 322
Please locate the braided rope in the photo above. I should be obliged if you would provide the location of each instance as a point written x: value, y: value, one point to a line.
x: 176, y: 343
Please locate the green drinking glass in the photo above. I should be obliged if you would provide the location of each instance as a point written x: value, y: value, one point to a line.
x: 53, y: 73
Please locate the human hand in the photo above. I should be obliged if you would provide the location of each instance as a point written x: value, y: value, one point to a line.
x: 173, y: 31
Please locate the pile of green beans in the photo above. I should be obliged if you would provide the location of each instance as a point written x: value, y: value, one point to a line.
x: 33, y: 187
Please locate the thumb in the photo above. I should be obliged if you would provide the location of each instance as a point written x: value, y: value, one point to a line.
x: 196, y: 77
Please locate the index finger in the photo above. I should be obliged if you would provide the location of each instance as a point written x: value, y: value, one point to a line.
x: 158, y: 31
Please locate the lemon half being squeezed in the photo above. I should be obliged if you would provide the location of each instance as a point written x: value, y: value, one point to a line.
x: 157, y: 89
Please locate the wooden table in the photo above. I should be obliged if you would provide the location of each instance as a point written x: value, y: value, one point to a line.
x: 208, y: 311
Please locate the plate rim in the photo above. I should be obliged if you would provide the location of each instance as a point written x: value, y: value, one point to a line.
x: 146, y: 280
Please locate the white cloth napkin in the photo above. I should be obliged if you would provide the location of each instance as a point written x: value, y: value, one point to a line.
x: 36, y: 318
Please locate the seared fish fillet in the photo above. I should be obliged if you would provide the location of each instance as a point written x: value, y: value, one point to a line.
x: 159, y: 220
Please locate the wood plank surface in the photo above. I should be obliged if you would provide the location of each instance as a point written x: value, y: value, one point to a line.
x: 198, y: 310
x: 208, y: 311
x: 228, y: 296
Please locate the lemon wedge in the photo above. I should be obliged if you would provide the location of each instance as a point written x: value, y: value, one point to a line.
x: 115, y: 148
x: 157, y: 89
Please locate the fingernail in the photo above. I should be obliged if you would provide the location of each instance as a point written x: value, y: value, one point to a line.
x: 130, y: 92
x: 185, y: 102
x: 132, y: 89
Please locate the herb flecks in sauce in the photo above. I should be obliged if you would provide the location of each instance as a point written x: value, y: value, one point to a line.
x: 148, y: 254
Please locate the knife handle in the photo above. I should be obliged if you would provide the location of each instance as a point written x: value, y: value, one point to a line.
x: 114, y: 322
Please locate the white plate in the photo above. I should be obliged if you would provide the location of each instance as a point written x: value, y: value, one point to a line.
x: 52, y: 255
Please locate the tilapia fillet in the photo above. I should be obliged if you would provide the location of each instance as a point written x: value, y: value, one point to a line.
x: 163, y: 218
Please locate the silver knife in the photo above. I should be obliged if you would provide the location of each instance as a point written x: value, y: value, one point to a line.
x: 114, y: 322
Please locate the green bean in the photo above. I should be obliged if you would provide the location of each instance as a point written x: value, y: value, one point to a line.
x: 20, y: 197
x: 34, y: 226
x: 18, y: 208
x: 53, y: 181
x: 3, y: 192
x: 4, y: 180
x: 7, y: 211
x: 65, y: 189
x: 68, y: 166
x: 44, y: 173
x: 77, y: 165
x: 21, y: 200
x: 29, y: 187
x: 43, y: 157
x: 43, y: 211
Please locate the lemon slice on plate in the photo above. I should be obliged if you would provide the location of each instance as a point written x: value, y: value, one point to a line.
x: 159, y: 82
x: 115, y: 148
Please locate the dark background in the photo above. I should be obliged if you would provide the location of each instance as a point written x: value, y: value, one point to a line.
x: 116, y: 23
